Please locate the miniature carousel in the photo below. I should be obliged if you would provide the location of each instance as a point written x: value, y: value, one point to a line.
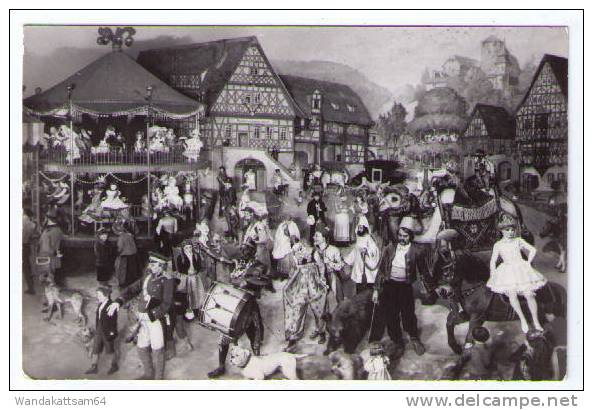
x: 120, y: 146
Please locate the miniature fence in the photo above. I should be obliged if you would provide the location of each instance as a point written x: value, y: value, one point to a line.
x: 116, y: 157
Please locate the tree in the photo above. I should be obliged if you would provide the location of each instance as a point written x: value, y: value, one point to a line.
x: 392, y: 124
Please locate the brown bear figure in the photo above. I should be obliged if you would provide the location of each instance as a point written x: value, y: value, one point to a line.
x: 349, y: 322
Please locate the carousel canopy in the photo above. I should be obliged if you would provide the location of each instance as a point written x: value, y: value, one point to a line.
x: 114, y: 84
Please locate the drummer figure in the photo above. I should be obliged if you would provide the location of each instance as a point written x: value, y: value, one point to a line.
x: 251, y: 275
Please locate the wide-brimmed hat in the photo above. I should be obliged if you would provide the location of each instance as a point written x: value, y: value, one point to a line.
x: 158, y: 256
x: 412, y: 224
x: 399, y: 189
x: 506, y: 221
x: 447, y: 235
x: 249, y: 209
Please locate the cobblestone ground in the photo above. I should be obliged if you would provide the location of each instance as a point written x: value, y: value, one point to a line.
x: 52, y: 351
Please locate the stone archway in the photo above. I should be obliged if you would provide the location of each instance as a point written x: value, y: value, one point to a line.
x: 242, y: 166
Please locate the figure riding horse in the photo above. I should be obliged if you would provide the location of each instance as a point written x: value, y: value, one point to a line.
x: 462, y: 279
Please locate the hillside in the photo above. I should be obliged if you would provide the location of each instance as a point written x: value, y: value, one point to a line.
x: 375, y: 97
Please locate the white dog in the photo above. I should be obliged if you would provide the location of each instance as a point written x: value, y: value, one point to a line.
x: 260, y: 367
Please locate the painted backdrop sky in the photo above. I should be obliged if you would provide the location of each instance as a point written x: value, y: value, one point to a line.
x: 389, y: 56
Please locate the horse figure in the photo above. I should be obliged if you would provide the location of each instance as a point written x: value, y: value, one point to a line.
x: 556, y: 229
x: 464, y: 278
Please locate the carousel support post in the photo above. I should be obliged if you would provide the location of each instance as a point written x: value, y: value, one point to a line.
x: 148, y: 177
x: 199, y: 198
x: 36, y: 195
x: 72, y: 203
x: 70, y: 88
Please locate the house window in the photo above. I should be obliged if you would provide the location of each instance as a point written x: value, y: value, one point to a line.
x: 541, y: 121
x: 354, y: 153
x: 316, y: 102
x: 247, y: 99
x: 377, y: 175
x: 350, y: 108
x: 269, y: 132
x: 256, y: 133
x: 550, y: 178
x: 335, y: 106
x: 257, y: 98
x: 283, y: 133
x: 253, y: 71
x: 228, y: 131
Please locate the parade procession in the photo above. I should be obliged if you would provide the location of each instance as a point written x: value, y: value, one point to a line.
x: 204, y: 210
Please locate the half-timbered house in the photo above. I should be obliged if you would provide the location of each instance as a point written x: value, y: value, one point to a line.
x: 491, y: 129
x: 334, y: 127
x: 542, y: 126
x: 247, y: 105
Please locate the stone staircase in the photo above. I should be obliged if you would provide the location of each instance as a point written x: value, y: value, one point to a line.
x: 230, y: 156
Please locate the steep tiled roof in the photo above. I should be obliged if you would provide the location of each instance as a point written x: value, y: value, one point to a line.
x: 497, y: 120
x: 339, y: 102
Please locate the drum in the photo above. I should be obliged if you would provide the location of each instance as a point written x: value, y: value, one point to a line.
x: 223, y: 308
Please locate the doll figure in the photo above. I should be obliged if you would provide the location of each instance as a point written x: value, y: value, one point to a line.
x: 112, y: 201
x: 515, y: 275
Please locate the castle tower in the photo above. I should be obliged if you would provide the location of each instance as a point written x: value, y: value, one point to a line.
x: 501, y: 67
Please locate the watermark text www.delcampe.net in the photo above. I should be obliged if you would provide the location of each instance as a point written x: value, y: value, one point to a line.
x: 60, y: 401
x: 475, y: 400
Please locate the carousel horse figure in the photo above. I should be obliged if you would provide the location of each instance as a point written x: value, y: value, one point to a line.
x: 94, y: 210
x: 469, y: 274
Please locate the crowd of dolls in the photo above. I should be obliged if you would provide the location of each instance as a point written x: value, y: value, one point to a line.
x: 76, y: 143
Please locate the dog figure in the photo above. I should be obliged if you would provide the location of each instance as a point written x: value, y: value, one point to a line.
x: 57, y: 296
x: 347, y: 366
x: 86, y: 337
x: 260, y: 367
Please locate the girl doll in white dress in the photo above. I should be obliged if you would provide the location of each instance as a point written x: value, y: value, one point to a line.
x: 515, y: 275
x: 112, y: 201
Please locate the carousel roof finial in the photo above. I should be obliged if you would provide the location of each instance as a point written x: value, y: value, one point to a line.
x: 122, y: 36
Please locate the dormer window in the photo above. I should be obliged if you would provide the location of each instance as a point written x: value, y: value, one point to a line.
x: 316, y: 101
x: 335, y: 106
x: 253, y: 71
x: 350, y: 108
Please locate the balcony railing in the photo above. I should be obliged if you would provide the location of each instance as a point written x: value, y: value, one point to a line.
x: 118, y: 157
